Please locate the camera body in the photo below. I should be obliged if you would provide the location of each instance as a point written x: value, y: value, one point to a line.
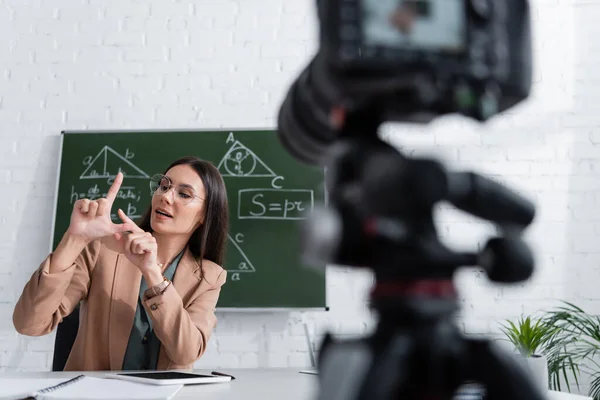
x: 467, y: 56
x: 412, y: 60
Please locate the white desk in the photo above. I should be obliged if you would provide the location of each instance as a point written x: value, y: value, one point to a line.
x: 566, y: 396
x: 250, y: 384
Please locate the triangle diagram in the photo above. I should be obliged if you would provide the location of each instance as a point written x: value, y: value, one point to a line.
x: 238, y: 259
x: 108, y: 163
x: 240, y: 161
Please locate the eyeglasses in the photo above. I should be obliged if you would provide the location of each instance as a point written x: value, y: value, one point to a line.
x: 161, y: 184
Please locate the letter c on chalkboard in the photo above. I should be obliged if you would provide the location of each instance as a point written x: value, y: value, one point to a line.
x: 276, y: 179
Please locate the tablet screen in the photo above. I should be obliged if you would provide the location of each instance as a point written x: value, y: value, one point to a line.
x: 166, y: 375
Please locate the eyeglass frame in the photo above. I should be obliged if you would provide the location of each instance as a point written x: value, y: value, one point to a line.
x: 171, y: 186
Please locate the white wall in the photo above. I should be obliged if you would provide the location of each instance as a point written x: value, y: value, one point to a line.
x: 68, y: 64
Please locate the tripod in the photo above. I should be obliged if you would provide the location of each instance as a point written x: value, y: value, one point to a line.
x: 383, y: 204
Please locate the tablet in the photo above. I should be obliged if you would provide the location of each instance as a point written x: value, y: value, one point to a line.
x: 168, y: 377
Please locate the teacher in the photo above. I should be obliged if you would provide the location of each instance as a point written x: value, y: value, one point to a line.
x: 147, y: 293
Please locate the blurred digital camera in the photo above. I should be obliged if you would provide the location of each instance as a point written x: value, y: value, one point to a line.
x: 412, y: 60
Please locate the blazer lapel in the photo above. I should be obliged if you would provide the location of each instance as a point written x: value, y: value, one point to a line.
x: 185, y: 278
x: 125, y: 292
x: 186, y: 268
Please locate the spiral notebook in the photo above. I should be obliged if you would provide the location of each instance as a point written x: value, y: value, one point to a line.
x: 82, y: 387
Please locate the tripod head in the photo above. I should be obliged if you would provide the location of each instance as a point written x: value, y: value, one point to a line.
x: 380, y: 213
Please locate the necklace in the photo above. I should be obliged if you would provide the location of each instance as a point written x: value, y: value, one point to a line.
x: 161, y: 265
x: 165, y: 264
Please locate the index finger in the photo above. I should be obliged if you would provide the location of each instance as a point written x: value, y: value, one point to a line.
x: 128, y: 224
x: 111, y: 195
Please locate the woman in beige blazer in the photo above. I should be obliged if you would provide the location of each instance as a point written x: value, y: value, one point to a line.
x: 147, y: 293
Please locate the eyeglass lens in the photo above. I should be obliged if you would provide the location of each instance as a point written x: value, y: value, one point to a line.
x: 161, y: 184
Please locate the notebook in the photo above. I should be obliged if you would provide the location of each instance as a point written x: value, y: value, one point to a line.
x: 83, y: 387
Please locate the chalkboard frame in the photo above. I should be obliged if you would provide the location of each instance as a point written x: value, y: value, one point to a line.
x: 198, y: 130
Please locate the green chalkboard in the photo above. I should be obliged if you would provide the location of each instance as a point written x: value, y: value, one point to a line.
x: 267, y: 190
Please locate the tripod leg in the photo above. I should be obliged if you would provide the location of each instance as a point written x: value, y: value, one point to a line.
x: 501, y: 375
x: 342, y: 366
x: 353, y: 369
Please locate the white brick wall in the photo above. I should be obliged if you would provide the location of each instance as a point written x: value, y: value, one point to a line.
x: 228, y: 63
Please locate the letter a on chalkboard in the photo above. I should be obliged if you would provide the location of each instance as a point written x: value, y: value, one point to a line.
x: 237, y: 261
x: 240, y: 161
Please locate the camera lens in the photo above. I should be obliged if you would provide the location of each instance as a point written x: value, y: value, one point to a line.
x: 303, y: 120
x: 294, y: 130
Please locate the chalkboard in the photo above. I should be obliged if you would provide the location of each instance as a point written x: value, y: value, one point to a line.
x: 268, y: 191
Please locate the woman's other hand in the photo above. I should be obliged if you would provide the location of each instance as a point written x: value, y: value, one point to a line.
x: 139, y: 247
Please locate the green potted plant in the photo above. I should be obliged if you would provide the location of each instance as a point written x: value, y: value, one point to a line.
x: 580, y: 345
x: 533, y: 339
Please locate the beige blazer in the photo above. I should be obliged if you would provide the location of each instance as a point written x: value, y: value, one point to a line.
x: 108, y: 286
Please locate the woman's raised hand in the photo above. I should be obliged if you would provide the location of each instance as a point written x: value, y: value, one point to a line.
x: 91, y: 220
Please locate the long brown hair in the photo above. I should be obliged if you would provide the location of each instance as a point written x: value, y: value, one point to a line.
x: 210, y: 239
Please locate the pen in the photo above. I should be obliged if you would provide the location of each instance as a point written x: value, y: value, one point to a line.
x: 222, y: 374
